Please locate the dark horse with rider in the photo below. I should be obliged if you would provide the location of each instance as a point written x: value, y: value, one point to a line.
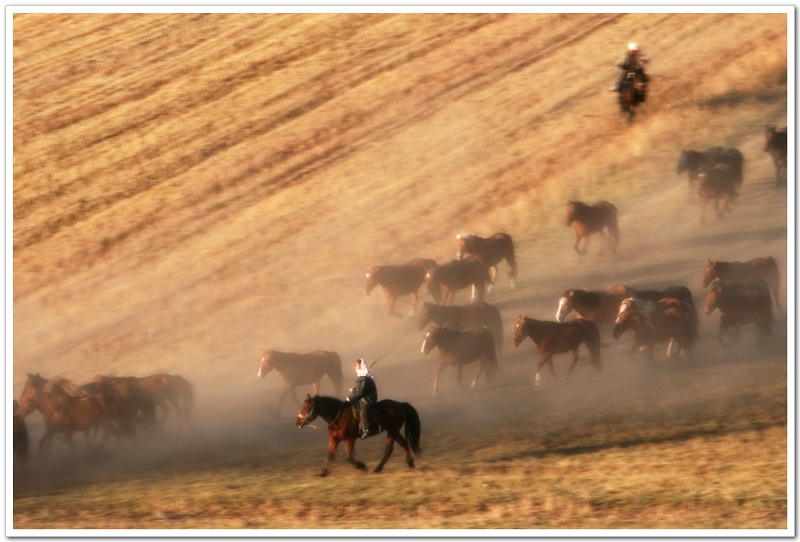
x: 632, y: 82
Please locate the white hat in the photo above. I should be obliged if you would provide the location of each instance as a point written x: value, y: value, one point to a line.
x: 363, y: 368
x: 633, y: 46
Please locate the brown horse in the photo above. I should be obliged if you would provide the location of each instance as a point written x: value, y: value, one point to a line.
x: 343, y: 426
x: 135, y: 404
x: 765, y: 268
x: 494, y: 249
x: 717, y: 184
x: 445, y: 280
x: 668, y: 319
x: 166, y: 390
x: 740, y: 303
x: 556, y: 338
x: 776, y: 146
x: 678, y: 292
x: 587, y: 219
x: 302, y: 370
x: 67, y: 415
x: 600, y: 307
x: 462, y: 318
x: 459, y: 348
x: 398, y: 281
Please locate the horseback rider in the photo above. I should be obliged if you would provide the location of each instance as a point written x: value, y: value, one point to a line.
x: 632, y: 59
x: 364, y: 395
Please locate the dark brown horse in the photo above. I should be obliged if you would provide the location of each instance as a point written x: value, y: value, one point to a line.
x: 135, y: 405
x: 776, y: 145
x: 493, y: 249
x: 678, y: 292
x: 695, y: 162
x: 398, y: 281
x: 67, y: 415
x: 740, y: 303
x: 588, y: 219
x: 765, y: 268
x: 462, y: 318
x: 632, y: 92
x: 668, y: 319
x: 445, y: 280
x: 302, y: 370
x: 601, y: 307
x: 459, y: 348
x: 343, y: 426
x: 170, y: 392
x: 556, y: 338
x: 717, y: 184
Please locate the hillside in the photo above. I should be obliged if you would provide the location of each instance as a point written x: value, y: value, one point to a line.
x: 190, y: 189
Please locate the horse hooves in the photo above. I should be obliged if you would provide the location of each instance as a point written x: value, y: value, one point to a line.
x: 361, y: 466
x: 377, y: 471
x: 411, y: 465
x: 323, y: 473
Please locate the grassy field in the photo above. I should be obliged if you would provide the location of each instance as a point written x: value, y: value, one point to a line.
x: 190, y: 189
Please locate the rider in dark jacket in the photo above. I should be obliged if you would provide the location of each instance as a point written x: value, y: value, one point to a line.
x: 364, y: 395
x: 632, y: 58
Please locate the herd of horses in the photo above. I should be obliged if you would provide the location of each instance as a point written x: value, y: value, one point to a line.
x: 120, y: 407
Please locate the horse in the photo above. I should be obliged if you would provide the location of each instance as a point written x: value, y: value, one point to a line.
x: 765, y: 268
x: 494, y: 249
x: 21, y: 440
x: 556, y: 338
x: 740, y: 303
x: 301, y: 370
x: 776, y: 145
x: 695, y: 162
x: 719, y: 184
x: 587, y: 219
x: 136, y: 405
x: 166, y: 390
x: 343, y: 425
x: 632, y: 91
x: 462, y: 318
x: 445, y: 280
x: 600, y: 307
x: 668, y: 319
x: 398, y: 281
x: 67, y: 415
x: 678, y: 292
x: 459, y: 348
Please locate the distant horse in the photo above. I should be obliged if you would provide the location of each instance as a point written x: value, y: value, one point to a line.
x: 556, y: 338
x: 694, y: 163
x: 67, y: 415
x: 632, y: 92
x: 776, y: 145
x: 601, y: 307
x: 678, y: 292
x: 398, y: 281
x: 459, y: 348
x: 445, y: 280
x: 494, y: 249
x: 740, y: 303
x: 343, y: 425
x: 718, y: 184
x: 587, y: 219
x: 135, y: 404
x: 462, y: 318
x: 765, y: 268
x: 166, y: 390
x: 21, y: 441
x: 302, y: 370
x: 668, y: 319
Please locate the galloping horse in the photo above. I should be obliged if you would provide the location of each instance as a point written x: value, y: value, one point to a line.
x: 776, y: 145
x: 302, y: 370
x: 459, y: 348
x: 136, y: 405
x: 600, y: 307
x: 343, y: 426
x: 463, y: 318
x: 556, y: 338
x: 694, y: 163
x: 678, y: 292
x: 719, y: 184
x: 169, y: 390
x: 445, y: 280
x: 765, y: 268
x: 632, y: 92
x: 743, y: 302
x: 398, y: 281
x: 668, y: 319
x: 494, y: 249
x: 587, y: 219
x: 66, y: 415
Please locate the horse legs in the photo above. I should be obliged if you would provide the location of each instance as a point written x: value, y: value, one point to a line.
x: 391, y: 300
x: 287, y: 389
x: 439, y: 370
x: 572, y: 365
x: 45, y: 440
x: 475, y: 382
x: 386, y: 453
x: 333, y: 443
x: 576, y: 246
x: 414, y: 297
x: 458, y: 376
x: 703, y: 209
x: 546, y: 358
x: 349, y: 445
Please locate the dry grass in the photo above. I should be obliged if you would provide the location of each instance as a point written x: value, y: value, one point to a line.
x: 191, y: 188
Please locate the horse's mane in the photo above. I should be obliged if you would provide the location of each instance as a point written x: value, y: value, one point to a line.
x: 59, y: 384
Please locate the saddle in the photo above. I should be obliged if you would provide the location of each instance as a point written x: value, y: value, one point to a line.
x: 374, y: 424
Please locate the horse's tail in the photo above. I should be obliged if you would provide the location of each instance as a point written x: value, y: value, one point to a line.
x: 335, y: 371
x: 413, y: 428
x: 186, y: 392
x: 512, y: 261
x: 592, y: 340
